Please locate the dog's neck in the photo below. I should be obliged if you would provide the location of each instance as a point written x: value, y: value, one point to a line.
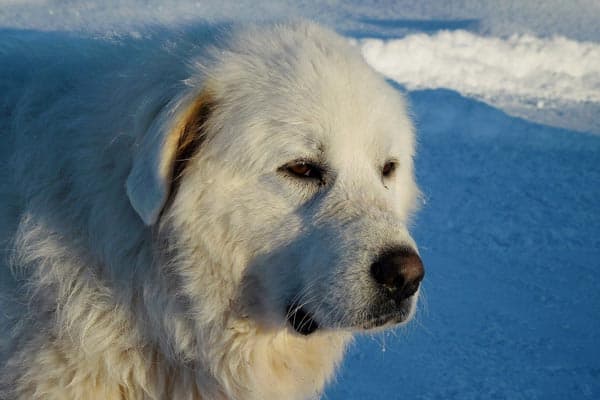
x: 278, y: 364
x: 248, y: 357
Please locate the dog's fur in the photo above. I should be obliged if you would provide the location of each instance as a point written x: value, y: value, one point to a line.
x: 152, y: 235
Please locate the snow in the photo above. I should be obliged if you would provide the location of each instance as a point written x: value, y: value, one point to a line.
x: 523, y: 74
x: 510, y: 229
x: 576, y: 19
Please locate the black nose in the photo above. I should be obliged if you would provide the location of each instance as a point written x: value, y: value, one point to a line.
x: 400, y: 271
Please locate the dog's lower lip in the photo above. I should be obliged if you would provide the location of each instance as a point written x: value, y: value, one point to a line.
x: 301, y: 320
x: 396, y: 317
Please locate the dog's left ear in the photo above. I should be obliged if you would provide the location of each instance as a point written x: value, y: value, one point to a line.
x: 161, y: 155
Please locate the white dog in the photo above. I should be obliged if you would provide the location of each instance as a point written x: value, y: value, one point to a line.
x: 201, y: 215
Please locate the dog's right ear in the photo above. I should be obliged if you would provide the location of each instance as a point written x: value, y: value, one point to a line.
x: 163, y: 152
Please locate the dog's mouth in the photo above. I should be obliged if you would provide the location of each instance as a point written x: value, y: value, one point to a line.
x: 389, y: 315
x: 304, y: 323
x: 385, y: 320
x: 301, y: 320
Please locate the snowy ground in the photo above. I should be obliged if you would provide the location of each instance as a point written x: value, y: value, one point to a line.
x: 510, y: 232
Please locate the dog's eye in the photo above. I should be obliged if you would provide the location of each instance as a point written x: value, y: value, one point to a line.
x: 388, y: 169
x: 304, y: 170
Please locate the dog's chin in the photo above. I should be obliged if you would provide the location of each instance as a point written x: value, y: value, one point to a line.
x: 305, y: 323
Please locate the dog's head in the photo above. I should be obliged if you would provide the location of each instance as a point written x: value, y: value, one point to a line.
x: 285, y: 176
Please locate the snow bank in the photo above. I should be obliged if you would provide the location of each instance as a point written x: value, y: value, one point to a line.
x: 517, y: 74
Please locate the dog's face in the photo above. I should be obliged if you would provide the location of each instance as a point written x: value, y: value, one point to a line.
x: 330, y: 248
x: 304, y: 186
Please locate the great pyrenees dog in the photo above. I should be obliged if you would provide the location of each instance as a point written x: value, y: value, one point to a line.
x: 207, y: 214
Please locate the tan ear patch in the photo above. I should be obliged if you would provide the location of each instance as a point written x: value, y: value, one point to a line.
x: 190, y: 134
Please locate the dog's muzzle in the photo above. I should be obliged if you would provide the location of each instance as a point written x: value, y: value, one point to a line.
x: 397, y: 274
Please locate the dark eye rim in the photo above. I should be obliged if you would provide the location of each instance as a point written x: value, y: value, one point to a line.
x: 315, y: 171
x: 389, y: 168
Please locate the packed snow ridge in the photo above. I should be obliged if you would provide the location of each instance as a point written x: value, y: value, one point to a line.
x: 535, y: 71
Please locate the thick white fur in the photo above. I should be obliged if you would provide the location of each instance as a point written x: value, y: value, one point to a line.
x: 115, y: 286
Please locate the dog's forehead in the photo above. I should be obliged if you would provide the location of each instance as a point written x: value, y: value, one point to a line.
x: 344, y: 126
x: 306, y: 93
x: 362, y: 121
x: 338, y: 124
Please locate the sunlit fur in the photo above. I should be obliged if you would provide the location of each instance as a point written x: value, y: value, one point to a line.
x: 121, y: 280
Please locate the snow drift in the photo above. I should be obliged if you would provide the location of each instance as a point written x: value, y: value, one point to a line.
x: 518, y: 73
